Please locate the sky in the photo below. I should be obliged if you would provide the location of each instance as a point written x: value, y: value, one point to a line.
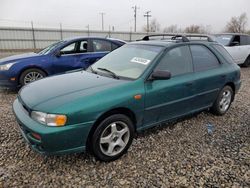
x: 119, y: 13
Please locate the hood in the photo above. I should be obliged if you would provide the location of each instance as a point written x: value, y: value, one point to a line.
x: 50, y: 93
x: 18, y: 57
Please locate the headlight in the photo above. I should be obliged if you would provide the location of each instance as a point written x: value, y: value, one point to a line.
x: 6, y: 66
x: 54, y: 120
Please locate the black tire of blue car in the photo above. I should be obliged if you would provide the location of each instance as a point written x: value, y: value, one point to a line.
x: 247, y: 62
x: 223, y: 101
x: 112, y: 137
x: 31, y: 75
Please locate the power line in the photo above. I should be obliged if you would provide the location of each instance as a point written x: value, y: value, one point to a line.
x: 135, y: 14
x: 147, y: 15
x: 102, y: 14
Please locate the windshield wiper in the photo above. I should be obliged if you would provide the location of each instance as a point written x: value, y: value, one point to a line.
x: 109, y: 71
x: 92, y: 70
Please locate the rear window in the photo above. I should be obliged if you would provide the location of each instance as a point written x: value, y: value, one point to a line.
x: 224, y: 53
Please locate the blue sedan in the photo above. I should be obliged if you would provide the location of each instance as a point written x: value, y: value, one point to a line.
x: 65, y: 55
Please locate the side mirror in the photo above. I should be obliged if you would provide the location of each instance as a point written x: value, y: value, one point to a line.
x: 235, y: 43
x: 160, y: 75
x: 58, y: 54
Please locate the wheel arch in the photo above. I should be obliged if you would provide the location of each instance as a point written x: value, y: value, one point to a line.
x: 121, y: 110
x: 30, y: 67
x: 232, y: 85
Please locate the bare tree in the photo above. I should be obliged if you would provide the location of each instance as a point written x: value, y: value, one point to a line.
x: 171, y: 29
x: 194, y: 29
x: 154, y: 26
x: 237, y: 24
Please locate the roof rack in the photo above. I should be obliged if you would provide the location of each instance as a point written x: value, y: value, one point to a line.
x: 182, y: 37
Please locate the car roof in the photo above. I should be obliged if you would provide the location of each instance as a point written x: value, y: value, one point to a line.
x: 232, y: 34
x: 168, y: 43
x: 92, y: 37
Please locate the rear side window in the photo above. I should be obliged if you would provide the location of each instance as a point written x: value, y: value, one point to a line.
x: 101, y: 46
x: 224, y: 53
x: 203, y: 58
x: 178, y: 61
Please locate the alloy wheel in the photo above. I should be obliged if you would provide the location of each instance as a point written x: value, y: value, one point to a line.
x: 32, y: 76
x: 114, y: 138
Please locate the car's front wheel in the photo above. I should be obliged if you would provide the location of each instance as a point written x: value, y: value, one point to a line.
x: 112, y: 137
x: 223, y: 101
x: 31, y: 75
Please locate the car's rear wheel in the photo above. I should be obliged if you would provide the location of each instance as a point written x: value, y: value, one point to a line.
x: 31, y: 75
x: 223, y: 101
x: 112, y: 137
x: 247, y: 62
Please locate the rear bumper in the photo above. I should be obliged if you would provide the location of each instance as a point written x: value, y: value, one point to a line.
x: 54, y: 140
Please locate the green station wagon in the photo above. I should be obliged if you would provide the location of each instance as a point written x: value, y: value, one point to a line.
x: 135, y: 87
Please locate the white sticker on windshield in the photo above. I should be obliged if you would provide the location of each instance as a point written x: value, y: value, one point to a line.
x: 140, y: 60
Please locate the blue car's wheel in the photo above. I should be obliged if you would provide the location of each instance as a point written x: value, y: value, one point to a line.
x: 112, y: 137
x: 31, y: 75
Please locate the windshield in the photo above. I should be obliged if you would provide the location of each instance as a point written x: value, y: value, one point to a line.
x: 128, y: 61
x: 48, y: 49
x: 223, y: 39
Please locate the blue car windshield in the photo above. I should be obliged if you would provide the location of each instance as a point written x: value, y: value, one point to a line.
x: 51, y: 47
x: 128, y: 61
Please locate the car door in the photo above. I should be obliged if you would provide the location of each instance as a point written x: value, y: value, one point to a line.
x: 245, y: 47
x: 236, y: 49
x: 210, y: 76
x: 167, y: 99
x: 99, y: 48
x: 72, y: 56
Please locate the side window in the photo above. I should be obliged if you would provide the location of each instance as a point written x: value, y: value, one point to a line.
x: 243, y: 40
x: 101, y: 46
x: 248, y: 40
x: 203, y: 58
x: 70, y: 49
x: 83, y: 46
x: 178, y: 61
x: 236, y: 41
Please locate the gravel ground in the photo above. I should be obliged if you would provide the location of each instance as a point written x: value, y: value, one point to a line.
x: 180, y: 154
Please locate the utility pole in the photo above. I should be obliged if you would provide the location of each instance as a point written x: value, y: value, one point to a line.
x: 33, y: 35
x: 135, y: 14
x: 102, y: 14
x: 147, y: 15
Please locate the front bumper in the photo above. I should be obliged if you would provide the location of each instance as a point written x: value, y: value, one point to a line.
x: 54, y: 140
x: 5, y: 80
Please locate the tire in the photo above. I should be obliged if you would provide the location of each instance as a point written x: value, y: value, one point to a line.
x: 31, y: 75
x: 223, y: 101
x: 112, y: 137
x: 247, y: 62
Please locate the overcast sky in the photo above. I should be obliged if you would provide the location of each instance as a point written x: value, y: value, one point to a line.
x: 119, y: 13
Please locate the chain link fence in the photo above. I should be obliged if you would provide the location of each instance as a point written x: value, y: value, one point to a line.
x: 31, y: 39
